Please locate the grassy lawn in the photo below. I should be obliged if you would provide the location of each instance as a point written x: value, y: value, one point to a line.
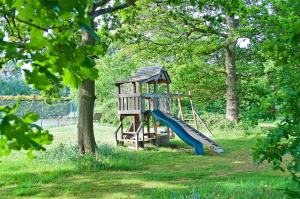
x: 164, y: 173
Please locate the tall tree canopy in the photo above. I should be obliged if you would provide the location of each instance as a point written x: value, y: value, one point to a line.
x: 262, y: 79
x: 281, y: 48
x: 207, y: 30
x: 59, y: 41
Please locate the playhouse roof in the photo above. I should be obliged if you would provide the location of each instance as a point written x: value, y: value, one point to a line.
x: 148, y: 74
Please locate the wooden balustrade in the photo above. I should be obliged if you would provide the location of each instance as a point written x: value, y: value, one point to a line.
x: 135, y: 103
x: 129, y: 104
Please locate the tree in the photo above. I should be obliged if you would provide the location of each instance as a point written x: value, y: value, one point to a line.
x: 281, y: 47
x: 112, y: 68
x: 58, y: 40
x: 86, y: 139
x: 183, y: 29
x: 11, y: 82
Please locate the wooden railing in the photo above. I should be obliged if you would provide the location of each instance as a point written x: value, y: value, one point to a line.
x: 135, y: 103
x: 129, y: 103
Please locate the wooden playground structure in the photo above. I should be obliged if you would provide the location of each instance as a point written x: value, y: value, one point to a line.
x: 143, y: 93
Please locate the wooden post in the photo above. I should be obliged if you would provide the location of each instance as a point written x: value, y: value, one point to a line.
x: 180, y: 115
x: 142, y: 117
x: 155, y: 100
x: 134, y: 87
x: 137, y: 141
x: 135, y: 127
x: 143, y: 135
x: 155, y: 131
x: 168, y: 107
x: 155, y: 107
x: 122, y: 130
x: 193, y: 110
x: 134, y: 124
x: 169, y: 98
x: 149, y: 100
x: 148, y: 90
x: 119, y: 99
x: 148, y: 125
x: 119, y: 88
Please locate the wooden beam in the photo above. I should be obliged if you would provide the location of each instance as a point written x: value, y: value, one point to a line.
x: 193, y: 110
x: 180, y: 115
x: 130, y: 95
x: 119, y: 89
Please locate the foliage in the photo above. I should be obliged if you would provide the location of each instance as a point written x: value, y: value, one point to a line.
x: 19, y: 133
x: 191, y: 76
x: 189, y: 37
x: 109, y: 110
x: 108, y: 157
x: 46, y: 35
x: 256, y: 92
x: 219, y: 121
x: 281, y: 48
x: 14, y: 87
x: 11, y: 81
x: 111, y: 68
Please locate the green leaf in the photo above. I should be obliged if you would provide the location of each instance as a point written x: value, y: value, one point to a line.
x: 70, y: 79
x: 30, y: 118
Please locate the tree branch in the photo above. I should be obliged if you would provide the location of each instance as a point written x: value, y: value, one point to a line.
x: 112, y: 9
x: 18, y: 44
x: 101, y: 3
x: 208, y: 30
x: 33, y: 25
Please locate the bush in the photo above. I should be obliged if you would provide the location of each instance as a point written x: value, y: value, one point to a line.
x: 109, y: 111
x: 219, y: 121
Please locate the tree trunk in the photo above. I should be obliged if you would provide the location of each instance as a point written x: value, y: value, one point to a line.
x: 231, y: 77
x: 86, y: 138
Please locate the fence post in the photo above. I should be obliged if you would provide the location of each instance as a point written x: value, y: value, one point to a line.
x: 42, y: 113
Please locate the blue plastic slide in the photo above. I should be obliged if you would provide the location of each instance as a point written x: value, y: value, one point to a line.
x: 198, y: 146
x: 187, y: 133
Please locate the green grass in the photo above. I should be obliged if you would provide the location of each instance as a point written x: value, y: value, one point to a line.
x: 165, y: 173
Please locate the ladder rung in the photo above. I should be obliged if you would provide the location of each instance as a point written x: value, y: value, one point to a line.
x: 129, y: 133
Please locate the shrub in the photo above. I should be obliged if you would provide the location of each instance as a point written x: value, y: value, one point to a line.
x: 109, y: 111
x: 219, y: 121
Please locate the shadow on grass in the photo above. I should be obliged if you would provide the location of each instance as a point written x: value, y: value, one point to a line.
x: 152, y: 174
x: 67, y: 183
x: 116, y: 184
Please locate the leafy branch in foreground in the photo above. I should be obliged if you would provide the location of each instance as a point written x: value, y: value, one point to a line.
x: 20, y: 133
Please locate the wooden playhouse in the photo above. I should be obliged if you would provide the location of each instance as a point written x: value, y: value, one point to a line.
x: 145, y: 99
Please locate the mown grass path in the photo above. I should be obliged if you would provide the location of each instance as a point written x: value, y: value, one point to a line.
x: 164, y: 173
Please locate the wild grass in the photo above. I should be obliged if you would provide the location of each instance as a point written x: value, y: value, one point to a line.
x: 107, y: 157
x: 170, y: 172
